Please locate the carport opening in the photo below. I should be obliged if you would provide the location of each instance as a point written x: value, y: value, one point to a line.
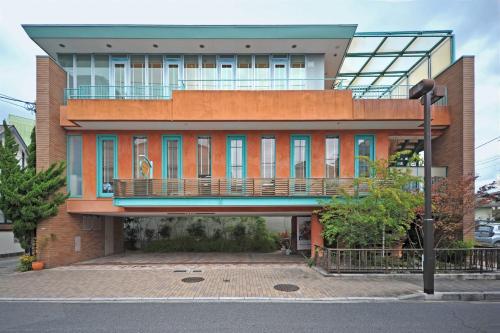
x: 284, y: 235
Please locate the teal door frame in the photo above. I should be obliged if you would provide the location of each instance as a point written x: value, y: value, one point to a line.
x: 370, y: 137
x: 307, y: 138
x: 164, y: 155
x: 243, y: 139
x: 99, y: 141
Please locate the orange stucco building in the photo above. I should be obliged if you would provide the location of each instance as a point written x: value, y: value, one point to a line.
x: 231, y: 120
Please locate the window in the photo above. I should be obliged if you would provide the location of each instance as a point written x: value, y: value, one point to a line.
x: 204, y: 151
x: 155, y: 70
x: 209, y: 72
x: 74, y: 165
x: 66, y: 62
x: 300, y: 157
x: 140, y: 151
x: 191, y: 71
x: 297, y: 72
x: 244, y: 72
x: 332, y: 157
x: 268, y: 157
x: 83, y: 70
x: 107, y: 158
x: 137, y: 75
x: 236, y: 157
x: 172, y: 152
x: 364, y: 149
x: 101, y: 72
x: 262, y: 72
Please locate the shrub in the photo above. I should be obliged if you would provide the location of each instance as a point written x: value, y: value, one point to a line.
x: 165, y: 231
x: 239, y: 231
x: 25, y: 263
x: 217, y: 234
x: 196, y: 230
x: 149, y: 234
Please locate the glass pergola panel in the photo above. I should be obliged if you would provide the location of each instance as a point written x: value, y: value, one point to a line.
x: 364, y: 44
x: 388, y: 58
x: 394, y: 44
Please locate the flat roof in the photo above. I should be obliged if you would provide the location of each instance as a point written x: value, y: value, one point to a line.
x: 313, y: 31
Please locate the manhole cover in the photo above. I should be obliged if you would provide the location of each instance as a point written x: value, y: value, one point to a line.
x: 286, y: 287
x: 193, y: 279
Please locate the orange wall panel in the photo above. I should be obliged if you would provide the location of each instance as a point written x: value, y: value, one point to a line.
x: 346, y: 154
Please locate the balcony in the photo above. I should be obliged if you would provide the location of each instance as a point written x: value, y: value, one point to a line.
x: 248, y: 187
x: 164, y: 92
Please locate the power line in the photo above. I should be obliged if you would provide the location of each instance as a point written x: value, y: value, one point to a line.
x: 487, y: 160
x: 29, y: 106
x: 484, y: 144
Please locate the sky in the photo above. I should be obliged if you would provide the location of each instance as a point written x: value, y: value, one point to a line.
x: 476, y: 24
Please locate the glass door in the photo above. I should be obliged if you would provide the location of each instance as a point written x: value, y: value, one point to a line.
x: 236, y: 164
x: 301, y: 164
x: 174, y: 74
x: 280, y: 73
x: 119, y: 79
x: 172, y: 164
x: 226, y: 74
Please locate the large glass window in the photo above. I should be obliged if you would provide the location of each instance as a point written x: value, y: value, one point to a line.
x: 101, y: 72
x: 204, y: 151
x: 74, y: 165
x: 106, y: 166
x: 140, y: 151
x: 365, y: 152
x: 268, y: 158
x: 137, y: 75
x: 236, y: 163
x: 332, y: 157
x: 300, y: 158
x: 244, y: 72
x: 297, y: 73
x: 209, y: 72
x: 155, y: 70
x: 66, y: 62
x: 262, y: 72
x: 83, y: 70
x: 191, y: 71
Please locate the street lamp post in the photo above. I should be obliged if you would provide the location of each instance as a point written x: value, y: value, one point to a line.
x: 429, y: 93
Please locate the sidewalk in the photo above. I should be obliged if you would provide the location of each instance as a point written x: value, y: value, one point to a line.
x: 153, y: 281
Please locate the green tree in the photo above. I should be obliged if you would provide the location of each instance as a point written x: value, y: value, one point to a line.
x: 379, y: 217
x: 31, y: 160
x: 26, y: 196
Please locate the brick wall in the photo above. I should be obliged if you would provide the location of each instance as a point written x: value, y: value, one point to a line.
x: 455, y: 148
x: 58, y: 237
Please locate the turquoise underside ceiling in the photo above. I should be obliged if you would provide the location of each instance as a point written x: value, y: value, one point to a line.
x: 219, y: 202
x: 328, y: 31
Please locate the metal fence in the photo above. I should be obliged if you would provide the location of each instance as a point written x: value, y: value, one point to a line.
x: 405, y: 260
x: 248, y: 187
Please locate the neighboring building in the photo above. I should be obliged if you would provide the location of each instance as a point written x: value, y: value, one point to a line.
x: 259, y: 120
x: 487, y: 207
x: 23, y: 125
x: 8, y: 244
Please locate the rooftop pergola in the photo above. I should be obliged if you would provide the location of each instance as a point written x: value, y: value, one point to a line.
x: 378, y: 59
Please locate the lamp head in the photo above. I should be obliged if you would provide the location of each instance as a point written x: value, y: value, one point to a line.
x: 421, y: 88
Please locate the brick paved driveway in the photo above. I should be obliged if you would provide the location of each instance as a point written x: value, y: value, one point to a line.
x: 147, y: 276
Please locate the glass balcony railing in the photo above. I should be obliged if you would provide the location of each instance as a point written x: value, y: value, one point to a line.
x: 165, y: 91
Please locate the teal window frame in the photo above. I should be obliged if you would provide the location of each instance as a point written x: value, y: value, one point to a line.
x: 262, y: 156
x: 332, y: 136
x: 100, y: 138
x: 308, y: 154
x: 243, y: 139
x: 209, y: 155
x: 371, y: 137
x: 67, y: 165
x: 164, y: 155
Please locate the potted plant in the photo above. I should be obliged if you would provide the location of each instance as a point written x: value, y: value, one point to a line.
x: 40, y: 264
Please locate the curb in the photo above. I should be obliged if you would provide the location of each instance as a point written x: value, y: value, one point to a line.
x: 493, y: 296
x: 410, y: 276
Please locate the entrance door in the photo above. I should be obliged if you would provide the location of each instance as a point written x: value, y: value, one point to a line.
x: 280, y: 74
x: 119, y: 78
x: 301, y: 163
x: 226, y: 74
x: 172, y: 164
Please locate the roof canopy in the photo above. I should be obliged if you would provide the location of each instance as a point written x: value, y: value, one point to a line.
x: 393, y: 58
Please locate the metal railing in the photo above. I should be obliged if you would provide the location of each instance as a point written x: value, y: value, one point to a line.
x: 165, y: 91
x: 405, y: 260
x: 248, y: 187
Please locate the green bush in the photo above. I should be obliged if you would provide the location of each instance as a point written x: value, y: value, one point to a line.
x: 165, y: 231
x: 196, y: 230
x: 25, y: 263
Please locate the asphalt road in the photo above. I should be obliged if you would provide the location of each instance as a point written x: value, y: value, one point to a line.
x: 250, y: 317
